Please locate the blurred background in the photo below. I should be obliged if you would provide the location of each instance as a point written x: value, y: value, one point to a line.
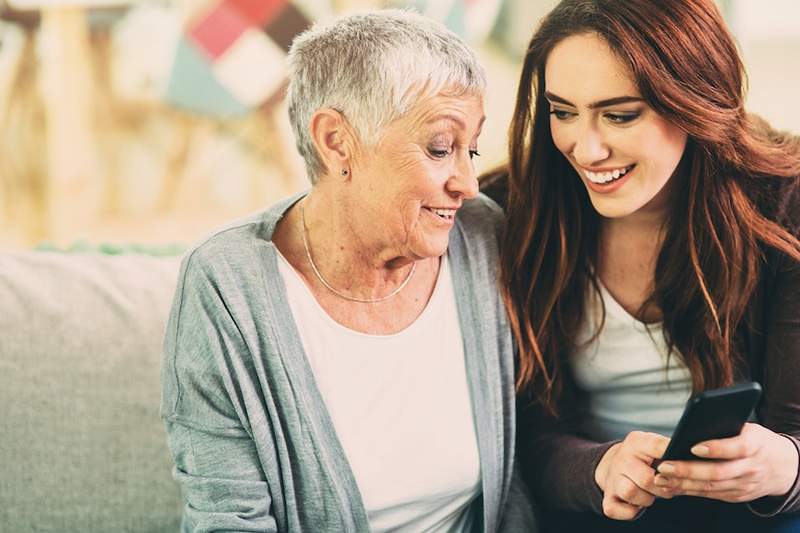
x: 148, y: 123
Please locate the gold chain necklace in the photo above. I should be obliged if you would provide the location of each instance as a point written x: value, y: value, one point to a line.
x: 334, y: 290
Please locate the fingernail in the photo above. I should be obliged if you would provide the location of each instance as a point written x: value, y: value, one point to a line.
x: 660, y: 481
x: 666, y: 468
x: 700, y: 451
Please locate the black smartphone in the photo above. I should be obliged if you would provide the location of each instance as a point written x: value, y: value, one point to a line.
x: 713, y: 414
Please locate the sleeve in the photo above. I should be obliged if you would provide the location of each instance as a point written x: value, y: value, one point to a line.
x: 780, y: 409
x: 558, y: 464
x: 216, y: 461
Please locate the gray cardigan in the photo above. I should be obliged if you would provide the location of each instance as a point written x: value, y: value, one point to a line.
x: 254, y: 447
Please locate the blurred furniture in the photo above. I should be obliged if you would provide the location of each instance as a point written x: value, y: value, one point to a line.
x: 91, y: 139
x: 82, y: 447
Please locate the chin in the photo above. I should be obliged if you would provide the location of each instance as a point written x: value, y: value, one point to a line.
x: 431, y: 249
x: 612, y: 208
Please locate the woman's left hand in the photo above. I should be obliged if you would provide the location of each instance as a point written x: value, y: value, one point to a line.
x: 758, y: 462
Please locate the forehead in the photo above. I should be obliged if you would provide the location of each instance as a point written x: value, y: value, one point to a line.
x: 583, y: 68
x: 464, y: 111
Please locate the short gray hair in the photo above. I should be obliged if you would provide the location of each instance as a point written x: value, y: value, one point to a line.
x: 372, y: 67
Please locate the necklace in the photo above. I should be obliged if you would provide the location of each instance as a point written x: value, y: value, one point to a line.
x: 334, y: 290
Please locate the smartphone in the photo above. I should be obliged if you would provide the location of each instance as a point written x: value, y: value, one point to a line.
x: 713, y: 414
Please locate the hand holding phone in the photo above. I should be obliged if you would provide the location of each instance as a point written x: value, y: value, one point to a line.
x: 750, y: 460
x: 713, y: 414
x: 626, y: 477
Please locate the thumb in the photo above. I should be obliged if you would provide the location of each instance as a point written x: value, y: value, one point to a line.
x: 652, y: 445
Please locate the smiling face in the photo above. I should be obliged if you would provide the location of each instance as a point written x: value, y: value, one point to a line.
x: 624, y: 152
x: 408, y: 188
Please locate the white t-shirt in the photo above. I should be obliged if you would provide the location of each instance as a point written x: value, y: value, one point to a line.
x: 401, y: 408
x: 624, y: 370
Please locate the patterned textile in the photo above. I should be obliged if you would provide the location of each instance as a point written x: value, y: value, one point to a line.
x: 232, y: 56
x: 471, y: 19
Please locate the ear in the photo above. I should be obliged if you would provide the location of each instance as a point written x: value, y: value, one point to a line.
x: 333, y: 138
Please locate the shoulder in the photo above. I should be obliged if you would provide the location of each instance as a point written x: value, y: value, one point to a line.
x: 480, y: 211
x: 778, y: 199
x: 235, y: 260
x: 213, y: 268
x: 237, y: 247
x: 219, y: 260
x: 222, y: 244
x: 210, y: 306
x: 789, y: 212
x: 480, y: 220
x: 494, y: 184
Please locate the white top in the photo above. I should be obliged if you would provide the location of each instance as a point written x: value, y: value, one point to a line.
x: 624, y: 370
x: 401, y: 409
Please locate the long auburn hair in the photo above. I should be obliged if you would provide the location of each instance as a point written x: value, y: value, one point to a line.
x: 686, y: 67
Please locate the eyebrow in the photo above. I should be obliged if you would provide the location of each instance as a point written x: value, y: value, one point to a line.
x: 595, y: 105
x: 454, y: 118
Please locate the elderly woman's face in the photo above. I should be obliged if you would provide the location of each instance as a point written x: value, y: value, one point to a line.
x: 419, y: 173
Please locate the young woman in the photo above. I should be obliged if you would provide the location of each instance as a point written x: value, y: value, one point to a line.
x: 651, y: 252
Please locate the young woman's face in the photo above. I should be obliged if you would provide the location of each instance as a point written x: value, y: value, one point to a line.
x: 623, y: 151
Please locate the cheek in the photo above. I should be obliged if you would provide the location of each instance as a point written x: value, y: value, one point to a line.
x: 560, y: 134
x: 667, y: 145
x: 405, y: 164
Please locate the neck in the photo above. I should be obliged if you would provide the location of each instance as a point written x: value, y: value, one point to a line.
x: 342, y: 251
x: 637, y: 237
x: 643, y: 222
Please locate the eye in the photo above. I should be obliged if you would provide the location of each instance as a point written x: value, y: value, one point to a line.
x: 439, y: 153
x: 473, y: 154
x: 622, y: 118
x: 560, y: 114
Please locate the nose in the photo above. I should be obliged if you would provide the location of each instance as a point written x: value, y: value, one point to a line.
x: 590, y: 147
x: 463, y: 180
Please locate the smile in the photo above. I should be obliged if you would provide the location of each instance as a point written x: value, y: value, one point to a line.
x: 444, y: 214
x: 607, y: 176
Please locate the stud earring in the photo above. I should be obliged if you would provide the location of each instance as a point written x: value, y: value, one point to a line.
x: 344, y: 172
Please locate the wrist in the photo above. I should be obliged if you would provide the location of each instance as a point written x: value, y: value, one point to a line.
x: 601, y: 471
x: 786, y: 467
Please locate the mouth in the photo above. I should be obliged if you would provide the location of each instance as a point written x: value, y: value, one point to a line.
x: 447, y: 215
x: 602, y: 178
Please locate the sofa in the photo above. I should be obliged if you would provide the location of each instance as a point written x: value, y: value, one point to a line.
x: 82, y: 447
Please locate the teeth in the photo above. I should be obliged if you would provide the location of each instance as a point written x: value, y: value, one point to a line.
x: 444, y: 213
x: 605, y: 177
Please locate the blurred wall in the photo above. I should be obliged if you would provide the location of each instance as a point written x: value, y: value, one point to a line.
x: 89, y: 151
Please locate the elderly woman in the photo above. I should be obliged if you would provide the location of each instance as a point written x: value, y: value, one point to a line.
x: 342, y: 361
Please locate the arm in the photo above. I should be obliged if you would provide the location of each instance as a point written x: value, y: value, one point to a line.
x: 760, y: 466
x: 557, y: 464
x: 216, y: 460
x: 570, y: 472
x: 780, y: 410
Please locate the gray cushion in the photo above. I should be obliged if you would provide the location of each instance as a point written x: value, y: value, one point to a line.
x: 82, y: 447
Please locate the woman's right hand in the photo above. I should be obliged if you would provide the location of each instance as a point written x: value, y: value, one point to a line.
x: 626, y: 477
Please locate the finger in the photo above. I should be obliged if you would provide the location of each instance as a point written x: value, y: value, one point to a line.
x: 629, y: 492
x: 619, y: 510
x: 731, y: 496
x: 704, y: 470
x: 647, y: 445
x: 644, y: 477
x: 681, y: 486
x: 746, y: 444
